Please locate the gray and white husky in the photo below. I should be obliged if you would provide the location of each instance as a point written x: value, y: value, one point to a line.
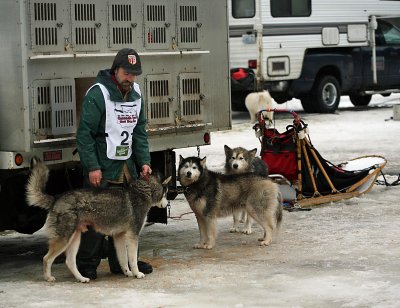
x: 240, y: 160
x: 118, y: 212
x: 212, y: 195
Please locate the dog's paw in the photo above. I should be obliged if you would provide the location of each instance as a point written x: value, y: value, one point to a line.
x: 247, y: 231
x: 265, y: 242
x: 234, y: 230
x: 202, y: 246
x: 50, y: 279
x: 128, y: 273
x: 139, y: 275
x: 84, y: 280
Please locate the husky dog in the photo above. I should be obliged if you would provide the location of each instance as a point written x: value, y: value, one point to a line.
x: 257, y: 101
x: 118, y: 212
x: 212, y: 195
x: 240, y: 160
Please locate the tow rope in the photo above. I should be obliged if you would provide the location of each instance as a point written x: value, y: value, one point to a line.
x: 386, y: 183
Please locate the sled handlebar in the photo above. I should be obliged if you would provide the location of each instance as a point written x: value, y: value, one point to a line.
x: 296, y: 117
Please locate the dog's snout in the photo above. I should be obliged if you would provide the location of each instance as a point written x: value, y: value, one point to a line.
x: 235, y: 166
x: 188, y: 174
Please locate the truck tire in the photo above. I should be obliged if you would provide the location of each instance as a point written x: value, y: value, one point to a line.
x: 306, y: 103
x: 360, y: 100
x: 326, y: 94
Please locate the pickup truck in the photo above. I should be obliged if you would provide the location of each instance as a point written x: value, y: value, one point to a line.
x: 328, y: 73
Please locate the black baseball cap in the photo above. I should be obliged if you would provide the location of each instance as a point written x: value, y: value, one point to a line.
x: 129, y: 60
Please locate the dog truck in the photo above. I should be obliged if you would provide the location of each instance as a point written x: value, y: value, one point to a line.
x: 51, y: 52
x: 314, y: 50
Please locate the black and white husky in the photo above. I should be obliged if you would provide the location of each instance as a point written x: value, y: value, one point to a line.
x: 212, y: 195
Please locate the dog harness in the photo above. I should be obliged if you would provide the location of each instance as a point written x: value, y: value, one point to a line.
x: 121, y: 119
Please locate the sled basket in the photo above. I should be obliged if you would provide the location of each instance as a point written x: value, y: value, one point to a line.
x: 314, y: 179
x: 279, y: 152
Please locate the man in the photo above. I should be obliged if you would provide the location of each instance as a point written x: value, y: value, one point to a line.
x: 112, y: 143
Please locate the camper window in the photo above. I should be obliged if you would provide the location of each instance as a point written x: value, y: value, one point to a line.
x: 243, y: 8
x: 290, y: 8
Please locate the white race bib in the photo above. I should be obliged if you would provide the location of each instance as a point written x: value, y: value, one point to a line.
x: 121, y: 119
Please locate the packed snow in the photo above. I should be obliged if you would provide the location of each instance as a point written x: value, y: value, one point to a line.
x: 342, y: 254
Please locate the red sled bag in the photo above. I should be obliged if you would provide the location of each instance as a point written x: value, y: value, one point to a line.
x: 278, y: 150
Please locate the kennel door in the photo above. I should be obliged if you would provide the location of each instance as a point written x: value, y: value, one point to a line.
x: 188, y: 25
x: 123, y: 26
x: 161, y: 105
x: 49, y: 25
x: 88, y: 26
x: 157, y: 24
x: 63, y: 106
x: 41, y: 109
x: 191, y: 97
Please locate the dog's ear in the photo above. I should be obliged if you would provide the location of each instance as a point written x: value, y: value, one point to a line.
x: 203, y: 162
x: 228, y: 150
x: 180, y: 159
x: 158, y: 176
x: 253, y: 152
x: 34, y: 161
x: 167, y: 180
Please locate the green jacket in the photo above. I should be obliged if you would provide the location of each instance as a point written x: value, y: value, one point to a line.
x: 91, y: 141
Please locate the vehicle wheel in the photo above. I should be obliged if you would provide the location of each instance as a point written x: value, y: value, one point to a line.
x: 306, y: 102
x: 326, y: 94
x: 360, y: 100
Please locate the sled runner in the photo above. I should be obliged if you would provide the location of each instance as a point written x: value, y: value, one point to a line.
x: 307, y: 178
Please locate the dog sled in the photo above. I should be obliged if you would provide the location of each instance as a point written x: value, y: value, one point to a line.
x: 305, y: 177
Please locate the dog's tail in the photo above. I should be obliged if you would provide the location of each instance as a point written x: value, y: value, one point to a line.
x: 36, y: 184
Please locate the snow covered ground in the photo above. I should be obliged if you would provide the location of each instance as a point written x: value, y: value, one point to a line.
x: 343, y: 254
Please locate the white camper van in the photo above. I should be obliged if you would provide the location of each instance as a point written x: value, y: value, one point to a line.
x: 314, y: 50
x: 51, y: 52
